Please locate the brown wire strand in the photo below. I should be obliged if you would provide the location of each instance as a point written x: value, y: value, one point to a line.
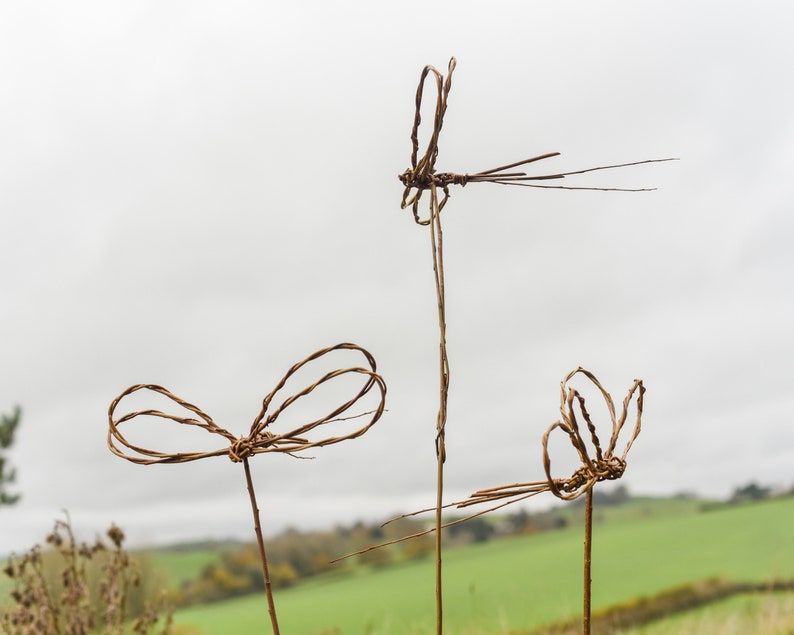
x: 422, y: 175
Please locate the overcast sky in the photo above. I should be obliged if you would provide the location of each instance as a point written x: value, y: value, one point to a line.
x: 200, y: 194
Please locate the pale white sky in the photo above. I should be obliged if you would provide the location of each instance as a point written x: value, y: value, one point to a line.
x: 200, y: 194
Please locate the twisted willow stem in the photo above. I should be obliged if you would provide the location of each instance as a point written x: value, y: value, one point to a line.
x: 588, y: 549
x: 436, y: 238
x: 271, y: 606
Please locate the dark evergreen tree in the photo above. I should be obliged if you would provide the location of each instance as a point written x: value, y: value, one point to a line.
x: 8, y: 425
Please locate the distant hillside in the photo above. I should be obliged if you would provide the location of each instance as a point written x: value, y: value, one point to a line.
x: 640, y: 549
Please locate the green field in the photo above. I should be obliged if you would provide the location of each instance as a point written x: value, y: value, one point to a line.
x: 180, y: 565
x: 519, y: 583
x: 768, y: 614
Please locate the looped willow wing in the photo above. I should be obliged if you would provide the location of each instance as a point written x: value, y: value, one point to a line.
x: 602, y: 464
x: 597, y: 465
x: 422, y: 175
x: 260, y: 438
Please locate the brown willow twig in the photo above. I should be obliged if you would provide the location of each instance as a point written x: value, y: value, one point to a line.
x: 259, y: 439
x: 421, y: 177
x: 436, y: 238
x: 437, y: 248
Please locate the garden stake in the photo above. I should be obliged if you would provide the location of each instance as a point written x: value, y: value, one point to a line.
x: 422, y: 176
x: 260, y: 439
x: 260, y: 543
x: 441, y: 452
x: 588, y: 551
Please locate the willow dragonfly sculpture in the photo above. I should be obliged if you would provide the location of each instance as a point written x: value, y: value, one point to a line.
x: 423, y: 177
x: 260, y: 438
x: 597, y: 463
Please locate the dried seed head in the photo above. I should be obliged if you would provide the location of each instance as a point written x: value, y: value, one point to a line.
x: 116, y: 536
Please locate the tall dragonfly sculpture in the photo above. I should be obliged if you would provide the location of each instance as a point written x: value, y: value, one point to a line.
x: 423, y: 177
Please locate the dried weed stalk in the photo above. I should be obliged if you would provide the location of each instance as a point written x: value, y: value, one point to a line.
x: 260, y: 438
x: 421, y: 177
x: 69, y: 600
